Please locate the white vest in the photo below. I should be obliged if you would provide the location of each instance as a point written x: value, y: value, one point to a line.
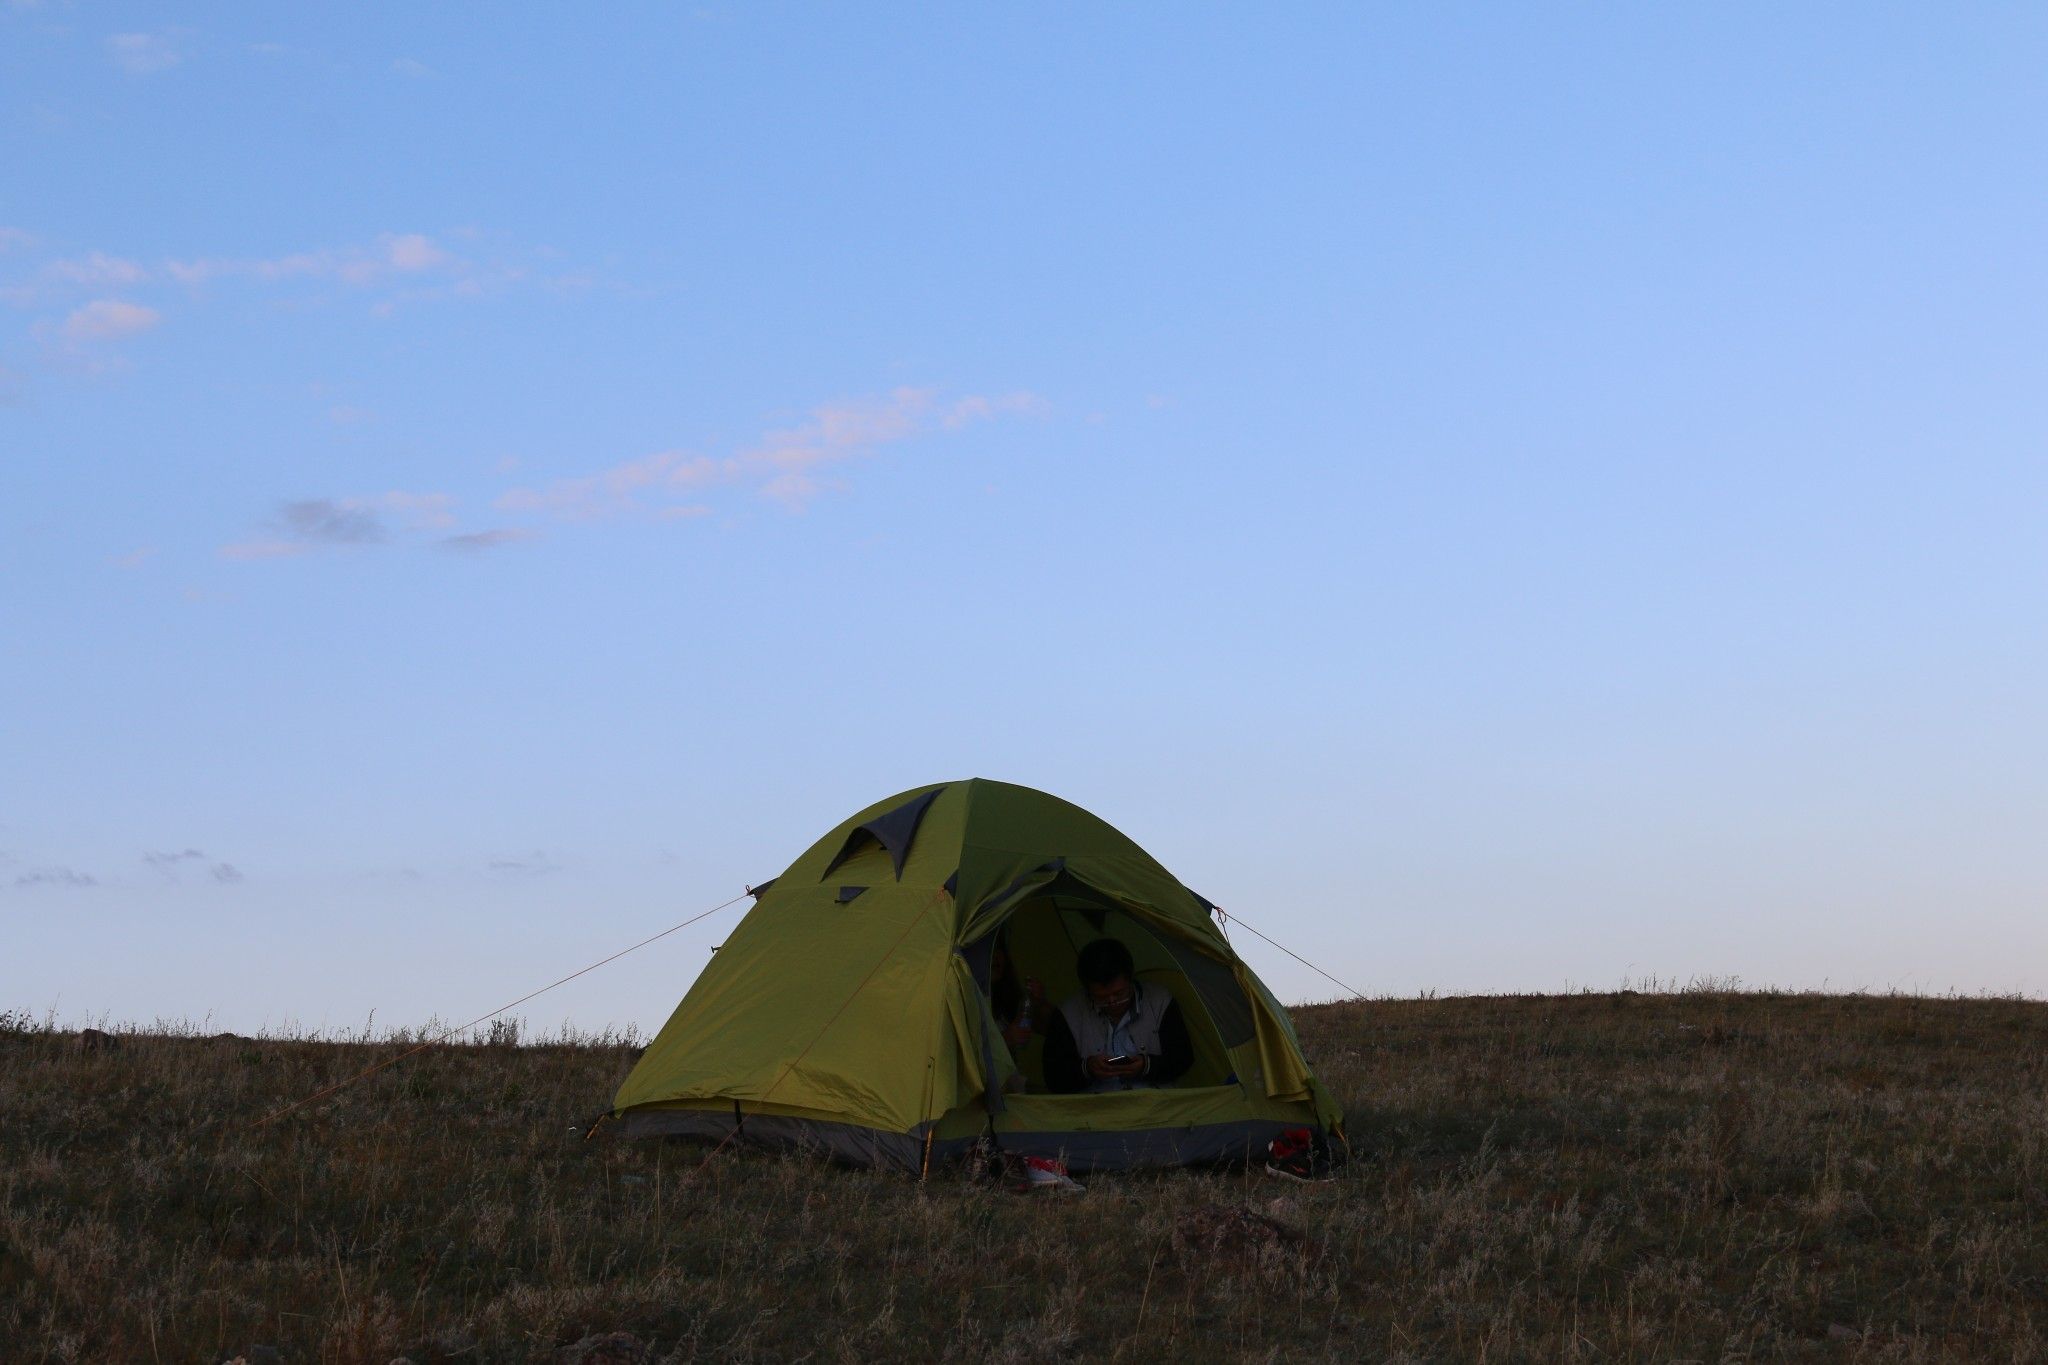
x: 1093, y: 1034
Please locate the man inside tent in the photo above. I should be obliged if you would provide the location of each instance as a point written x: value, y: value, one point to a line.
x: 1115, y: 1033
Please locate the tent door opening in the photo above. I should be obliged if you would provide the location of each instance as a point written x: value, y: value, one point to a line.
x: 1044, y: 936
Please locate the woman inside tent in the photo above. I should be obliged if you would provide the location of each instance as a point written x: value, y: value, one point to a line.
x: 1019, y: 1005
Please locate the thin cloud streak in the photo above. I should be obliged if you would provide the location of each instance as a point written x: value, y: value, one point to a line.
x: 322, y: 521
x: 168, y: 866
x: 97, y: 270
x: 429, y: 510
x: 143, y: 54
x: 787, y: 465
x: 307, y: 524
x: 71, y: 275
x: 167, y: 863
x: 55, y: 876
x: 394, y: 255
x: 476, y: 542
x: 109, y: 320
x: 263, y: 549
x: 396, y: 270
x: 781, y: 465
x: 621, y: 487
x: 536, y: 866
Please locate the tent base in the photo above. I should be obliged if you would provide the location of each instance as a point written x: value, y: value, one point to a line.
x: 851, y: 1144
x: 1208, y: 1144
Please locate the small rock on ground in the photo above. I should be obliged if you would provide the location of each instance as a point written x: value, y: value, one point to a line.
x: 606, y: 1348
x: 1231, y: 1234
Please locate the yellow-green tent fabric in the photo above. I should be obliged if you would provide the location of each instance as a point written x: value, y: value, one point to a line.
x: 849, y: 1011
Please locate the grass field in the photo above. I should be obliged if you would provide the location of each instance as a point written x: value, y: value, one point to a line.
x: 1638, y: 1176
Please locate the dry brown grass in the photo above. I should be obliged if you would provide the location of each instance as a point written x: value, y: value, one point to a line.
x: 1696, y: 1176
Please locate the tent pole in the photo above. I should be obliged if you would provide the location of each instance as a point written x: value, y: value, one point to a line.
x: 930, y: 1128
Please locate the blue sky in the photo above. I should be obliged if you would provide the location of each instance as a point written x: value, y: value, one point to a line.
x: 1504, y: 498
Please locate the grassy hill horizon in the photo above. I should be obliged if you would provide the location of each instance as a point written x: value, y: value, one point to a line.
x: 1627, y: 1175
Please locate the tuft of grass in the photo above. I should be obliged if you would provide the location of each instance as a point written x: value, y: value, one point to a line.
x: 1699, y: 1174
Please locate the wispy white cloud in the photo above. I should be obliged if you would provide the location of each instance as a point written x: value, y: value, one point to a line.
x: 308, y: 524
x: 393, y: 258
x: 476, y: 542
x: 536, y: 865
x: 785, y: 464
x: 55, y: 876
x: 69, y: 277
x: 395, y: 254
x: 141, y: 54
x: 135, y: 558
x: 109, y: 320
x: 986, y: 407
x: 412, y: 252
x: 169, y: 865
x: 323, y: 521
x: 790, y: 464
x: 264, y: 549
x: 97, y: 270
x: 839, y: 427
x: 621, y: 487
x: 396, y: 269
x: 793, y: 490
x: 430, y: 511
x: 406, y: 66
x: 839, y: 431
x: 166, y: 864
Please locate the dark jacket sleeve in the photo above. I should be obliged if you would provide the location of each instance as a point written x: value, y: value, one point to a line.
x: 1177, y: 1051
x: 1063, y: 1071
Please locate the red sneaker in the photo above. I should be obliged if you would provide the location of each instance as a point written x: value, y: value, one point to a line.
x: 1043, y: 1173
x: 1292, y: 1156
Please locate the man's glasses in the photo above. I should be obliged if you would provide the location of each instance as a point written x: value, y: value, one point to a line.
x: 1118, y: 1002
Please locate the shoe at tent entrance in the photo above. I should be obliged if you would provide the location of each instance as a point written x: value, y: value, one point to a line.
x: 849, y: 1011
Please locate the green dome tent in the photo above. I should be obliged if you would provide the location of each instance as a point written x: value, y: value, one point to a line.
x: 849, y: 1010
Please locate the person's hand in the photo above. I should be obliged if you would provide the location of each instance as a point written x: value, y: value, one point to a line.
x: 1102, y: 1069
x: 1016, y: 1035
x: 1034, y: 991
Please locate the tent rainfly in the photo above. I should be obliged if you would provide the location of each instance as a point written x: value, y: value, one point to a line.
x: 849, y: 1011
